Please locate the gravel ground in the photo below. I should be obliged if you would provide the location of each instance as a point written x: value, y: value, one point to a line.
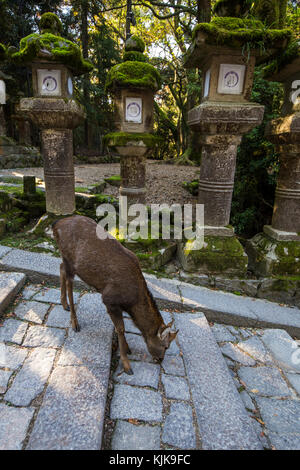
x: 163, y: 181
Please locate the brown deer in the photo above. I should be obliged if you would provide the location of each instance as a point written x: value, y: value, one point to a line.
x: 114, y: 271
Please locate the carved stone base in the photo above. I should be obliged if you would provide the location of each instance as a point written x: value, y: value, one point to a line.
x: 13, y: 155
x: 268, y: 256
x: 219, y: 255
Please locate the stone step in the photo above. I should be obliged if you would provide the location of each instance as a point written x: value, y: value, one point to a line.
x: 219, y: 306
x: 222, y: 418
x: 10, y: 285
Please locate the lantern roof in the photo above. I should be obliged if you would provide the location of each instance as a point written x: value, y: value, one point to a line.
x: 135, y: 71
x: 285, y: 64
x: 249, y: 36
x: 50, y: 46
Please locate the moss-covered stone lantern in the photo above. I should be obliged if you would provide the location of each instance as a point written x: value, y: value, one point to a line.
x: 133, y: 84
x: 225, y: 50
x: 54, y: 61
x: 277, y: 249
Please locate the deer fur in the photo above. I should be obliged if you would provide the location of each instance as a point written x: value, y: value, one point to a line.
x: 114, y: 271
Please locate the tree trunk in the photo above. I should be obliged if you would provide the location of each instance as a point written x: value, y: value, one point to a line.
x: 85, y: 52
x: 203, y: 11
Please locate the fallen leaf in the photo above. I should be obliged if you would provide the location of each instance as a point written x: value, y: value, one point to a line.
x: 133, y: 421
x: 254, y: 390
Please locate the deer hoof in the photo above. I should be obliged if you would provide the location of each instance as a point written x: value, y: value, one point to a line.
x: 129, y: 351
x: 129, y: 372
x: 76, y: 328
x: 67, y: 308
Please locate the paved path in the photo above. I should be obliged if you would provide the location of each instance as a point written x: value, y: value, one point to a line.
x: 217, y: 305
x: 219, y: 386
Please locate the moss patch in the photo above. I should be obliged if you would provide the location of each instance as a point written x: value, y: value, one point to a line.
x: 237, y: 32
x: 57, y: 48
x: 219, y: 255
x: 291, y: 53
x: 2, y: 52
x: 50, y: 23
x: 134, y: 43
x: 133, y: 74
x: 192, y: 187
x: 116, y: 139
x: 134, y: 56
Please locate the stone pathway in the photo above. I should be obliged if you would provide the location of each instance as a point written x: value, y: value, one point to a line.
x: 217, y: 305
x: 53, y: 382
x: 219, y: 386
x: 265, y: 366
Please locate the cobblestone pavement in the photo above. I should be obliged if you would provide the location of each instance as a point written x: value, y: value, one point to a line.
x: 218, y: 386
x: 265, y: 366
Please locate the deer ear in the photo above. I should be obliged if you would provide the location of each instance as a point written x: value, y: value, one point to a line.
x: 163, y: 331
x: 172, y: 335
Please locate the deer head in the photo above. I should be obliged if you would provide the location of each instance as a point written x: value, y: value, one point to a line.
x: 158, y: 344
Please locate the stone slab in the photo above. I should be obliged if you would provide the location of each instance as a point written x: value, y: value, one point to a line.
x: 130, y: 326
x: 52, y: 296
x: 72, y: 414
x: 31, y: 379
x: 178, y: 428
x: 222, y: 417
x: 283, y: 348
x: 4, y: 378
x: 127, y: 436
x: 4, y: 250
x: 294, y: 379
x: 173, y: 365
x: 144, y: 374
x: 42, y: 336
x: 92, y: 311
x: 256, y: 349
x: 13, y: 331
x: 12, y: 357
x: 30, y: 291
x: 175, y: 387
x: 34, y: 312
x: 233, y: 352
x: 265, y: 381
x: 138, y: 347
x: 58, y: 317
x: 222, y: 333
x: 136, y: 403
x: 10, y: 285
x: 14, y: 423
x: 92, y: 345
x: 38, y: 266
x: 280, y: 416
x: 163, y: 290
x: 285, y: 441
x: 247, y: 401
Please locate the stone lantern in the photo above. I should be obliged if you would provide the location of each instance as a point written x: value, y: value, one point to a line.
x: 277, y: 250
x: 54, y: 61
x: 223, y: 117
x: 133, y: 84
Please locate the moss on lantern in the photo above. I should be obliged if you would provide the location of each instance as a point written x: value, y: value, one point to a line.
x: 133, y: 74
x: 51, y: 47
x: 50, y: 23
x: 116, y: 139
x: 291, y: 53
x: 134, y: 56
x: 2, y: 52
x: 237, y: 32
x: 134, y: 43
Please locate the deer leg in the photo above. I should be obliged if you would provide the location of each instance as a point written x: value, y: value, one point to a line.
x: 117, y: 319
x: 74, y: 321
x: 63, y: 290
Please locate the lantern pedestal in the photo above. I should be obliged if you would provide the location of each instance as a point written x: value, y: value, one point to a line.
x: 56, y: 118
x: 221, y: 127
x: 277, y: 250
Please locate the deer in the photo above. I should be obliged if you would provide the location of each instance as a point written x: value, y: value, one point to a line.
x: 104, y: 264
